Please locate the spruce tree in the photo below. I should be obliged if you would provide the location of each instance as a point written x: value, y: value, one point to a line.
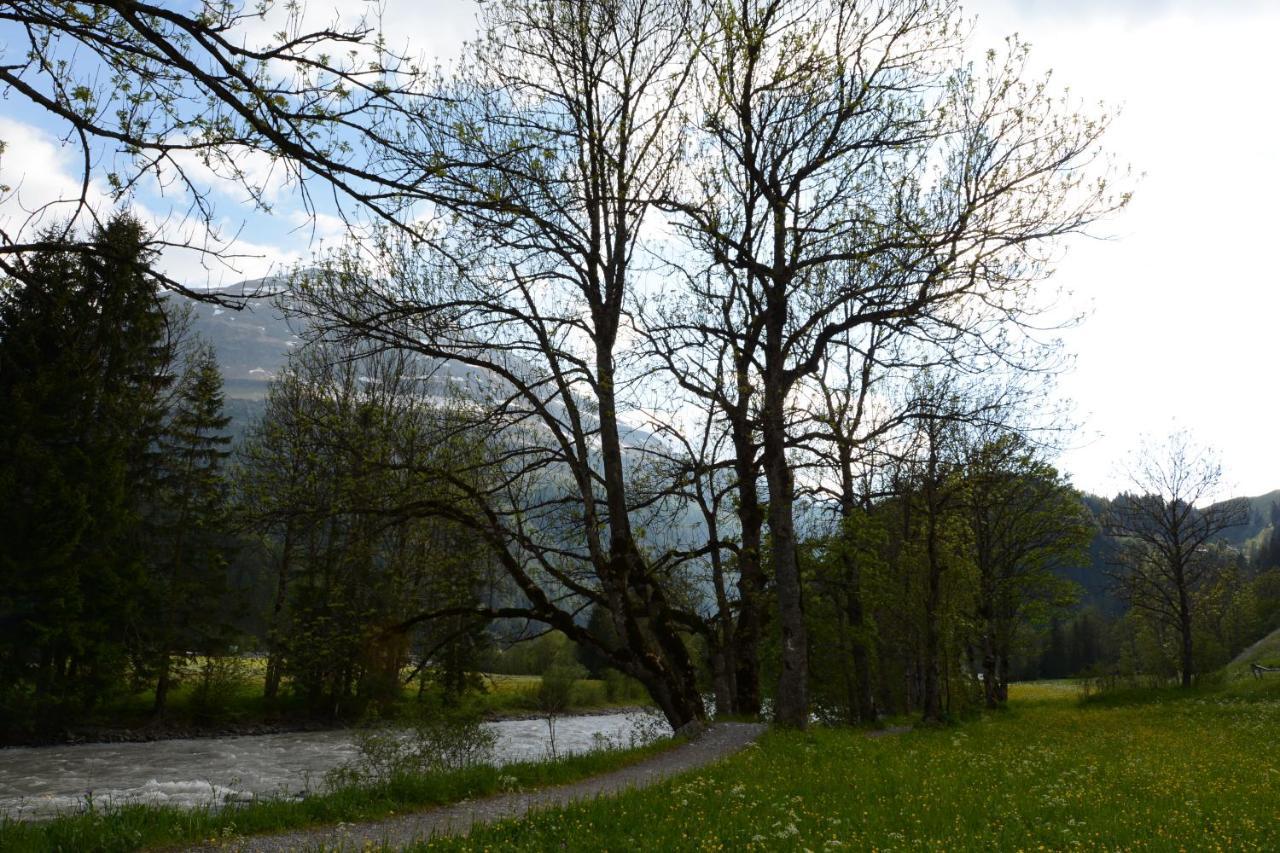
x: 190, y: 493
x: 83, y: 362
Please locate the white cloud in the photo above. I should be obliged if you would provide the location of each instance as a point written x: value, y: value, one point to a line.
x: 45, y: 179
x: 39, y: 170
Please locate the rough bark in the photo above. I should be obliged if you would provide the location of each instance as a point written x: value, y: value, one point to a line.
x: 791, y: 703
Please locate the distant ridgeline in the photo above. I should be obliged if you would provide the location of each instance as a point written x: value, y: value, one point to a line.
x: 253, y: 345
x: 1259, y: 549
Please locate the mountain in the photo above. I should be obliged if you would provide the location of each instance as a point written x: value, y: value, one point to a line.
x: 251, y: 343
x: 1092, y: 576
x: 1260, y: 518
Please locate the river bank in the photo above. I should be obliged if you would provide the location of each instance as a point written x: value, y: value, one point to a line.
x: 42, y: 782
x: 243, y: 711
x: 125, y: 827
x: 164, y: 730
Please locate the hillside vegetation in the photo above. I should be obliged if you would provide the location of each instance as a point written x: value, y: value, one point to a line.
x: 1265, y: 652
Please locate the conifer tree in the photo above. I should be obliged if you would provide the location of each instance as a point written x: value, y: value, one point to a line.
x: 83, y: 361
x: 190, y: 491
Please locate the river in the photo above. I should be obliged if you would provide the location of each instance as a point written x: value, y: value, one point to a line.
x: 39, y: 782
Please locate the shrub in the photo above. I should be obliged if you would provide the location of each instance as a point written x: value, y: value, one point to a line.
x: 620, y: 688
x: 220, y: 678
x: 423, y: 743
x: 555, y: 694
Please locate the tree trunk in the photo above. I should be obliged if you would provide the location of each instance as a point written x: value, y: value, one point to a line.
x: 931, y: 701
x: 1184, y: 629
x: 791, y: 704
x: 670, y: 669
x: 271, y: 687
x: 1002, y: 675
x: 751, y: 581
x: 864, y: 702
x: 990, y: 676
x: 722, y: 680
x: 679, y: 708
x: 990, y: 644
x: 749, y: 628
x: 162, y: 687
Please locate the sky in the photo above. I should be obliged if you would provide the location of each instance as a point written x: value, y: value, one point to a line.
x: 1181, y: 292
x: 1181, y: 296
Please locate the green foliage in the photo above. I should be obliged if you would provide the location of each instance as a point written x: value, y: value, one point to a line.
x: 1026, y: 522
x: 555, y: 693
x: 186, y: 521
x: 845, y: 571
x: 621, y: 689
x: 218, y: 682
x: 347, y: 442
x: 84, y: 362
x: 940, y: 588
x: 1073, y: 646
x: 531, y: 657
x: 420, y: 743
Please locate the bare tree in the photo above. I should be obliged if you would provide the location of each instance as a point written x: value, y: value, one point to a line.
x: 853, y: 170
x: 566, y: 116
x: 692, y: 339
x: 1167, y: 524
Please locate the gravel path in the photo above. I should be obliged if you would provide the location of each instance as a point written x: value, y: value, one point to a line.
x: 720, y: 740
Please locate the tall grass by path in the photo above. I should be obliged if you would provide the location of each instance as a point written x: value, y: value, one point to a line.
x: 1173, y: 771
x: 136, y: 827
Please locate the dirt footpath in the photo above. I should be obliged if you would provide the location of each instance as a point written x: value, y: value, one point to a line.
x: 720, y: 740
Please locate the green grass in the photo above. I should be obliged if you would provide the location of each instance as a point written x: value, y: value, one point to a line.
x: 1265, y: 652
x: 1198, y: 770
x: 137, y: 827
x: 506, y: 694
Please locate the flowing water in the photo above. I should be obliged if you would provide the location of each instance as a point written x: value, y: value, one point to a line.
x: 39, y: 782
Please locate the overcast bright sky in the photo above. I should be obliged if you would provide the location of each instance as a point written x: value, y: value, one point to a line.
x: 1182, y: 294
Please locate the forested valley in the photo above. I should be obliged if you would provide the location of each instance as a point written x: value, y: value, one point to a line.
x: 289, y: 522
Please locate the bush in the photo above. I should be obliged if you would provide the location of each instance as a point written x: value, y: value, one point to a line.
x: 621, y: 688
x: 555, y: 694
x: 220, y: 678
x: 422, y: 744
x: 531, y: 657
x: 588, y: 693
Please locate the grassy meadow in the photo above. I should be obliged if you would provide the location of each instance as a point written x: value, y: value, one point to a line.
x: 1139, y: 770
